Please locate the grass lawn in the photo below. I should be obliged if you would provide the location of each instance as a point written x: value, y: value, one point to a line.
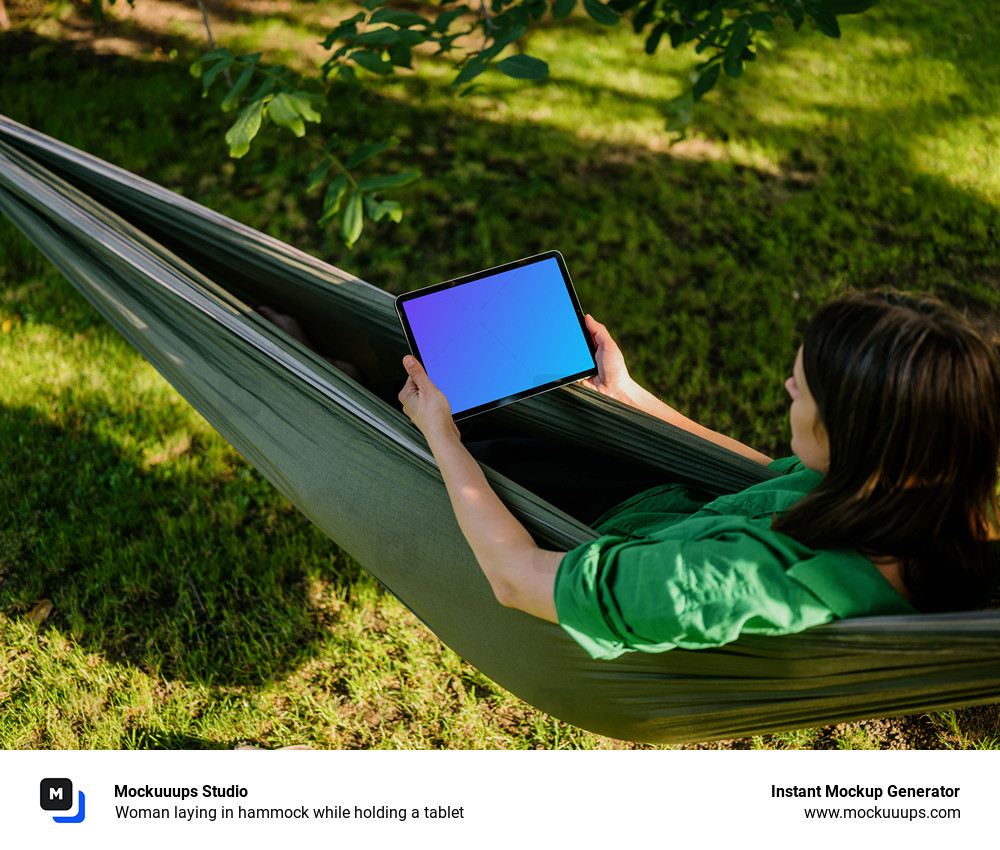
x: 190, y: 605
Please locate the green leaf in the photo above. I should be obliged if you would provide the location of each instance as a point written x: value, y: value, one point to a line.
x: 345, y: 29
x: 517, y: 15
x: 317, y: 174
x: 501, y: 39
x: 334, y: 195
x: 761, y: 21
x: 738, y: 40
x: 401, y: 55
x: 522, y: 67
x: 372, y: 5
x: 470, y: 70
x: 353, y: 221
x: 562, y: 9
x: 643, y: 16
x: 232, y: 100
x: 282, y: 113
x: 825, y: 22
x: 388, y: 181
x: 244, y: 129
x: 306, y: 103
x: 654, y: 37
x: 733, y: 67
x: 847, y: 7
x: 377, y: 210
x: 214, y: 71
x: 706, y: 79
x: 384, y: 36
x: 398, y: 18
x: 600, y: 13
x: 212, y: 56
x: 368, y: 151
x: 446, y: 19
x: 371, y: 62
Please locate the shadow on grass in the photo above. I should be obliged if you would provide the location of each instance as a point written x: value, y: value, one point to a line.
x: 695, y: 246
x: 142, y: 566
x: 706, y: 269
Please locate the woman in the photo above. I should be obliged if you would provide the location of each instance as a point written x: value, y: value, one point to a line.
x: 890, y: 504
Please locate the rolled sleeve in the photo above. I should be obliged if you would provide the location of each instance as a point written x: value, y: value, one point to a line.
x: 652, y: 594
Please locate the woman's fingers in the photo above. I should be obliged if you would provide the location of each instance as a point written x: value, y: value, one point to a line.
x: 602, y: 336
x: 595, y: 327
x: 423, y: 402
x: 414, y: 368
x: 416, y: 380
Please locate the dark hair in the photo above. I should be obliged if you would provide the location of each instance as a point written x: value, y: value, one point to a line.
x: 909, y: 393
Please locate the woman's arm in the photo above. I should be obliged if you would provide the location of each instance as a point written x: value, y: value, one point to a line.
x: 613, y: 380
x: 521, y: 573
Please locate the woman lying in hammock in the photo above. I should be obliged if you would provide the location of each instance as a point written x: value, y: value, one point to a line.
x: 889, y: 505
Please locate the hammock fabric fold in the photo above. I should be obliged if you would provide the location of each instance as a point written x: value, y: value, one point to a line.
x: 176, y: 280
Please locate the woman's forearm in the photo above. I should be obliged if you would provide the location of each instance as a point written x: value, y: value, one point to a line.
x: 641, y: 398
x: 521, y: 574
x: 613, y: 380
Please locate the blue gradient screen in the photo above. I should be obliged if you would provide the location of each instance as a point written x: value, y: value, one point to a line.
x: 504, y: 335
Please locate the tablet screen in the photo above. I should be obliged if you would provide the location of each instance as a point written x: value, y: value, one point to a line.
x: 500, y: 335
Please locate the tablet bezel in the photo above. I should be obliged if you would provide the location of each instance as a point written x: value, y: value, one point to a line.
x: 471, y: 278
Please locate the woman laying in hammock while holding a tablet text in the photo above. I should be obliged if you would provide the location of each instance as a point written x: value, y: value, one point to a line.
x: 888, y: 505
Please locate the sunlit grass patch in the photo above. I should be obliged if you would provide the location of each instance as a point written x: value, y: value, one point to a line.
x: 192, y: 607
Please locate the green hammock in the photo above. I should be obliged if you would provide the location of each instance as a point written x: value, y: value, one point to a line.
x: 176, y: 280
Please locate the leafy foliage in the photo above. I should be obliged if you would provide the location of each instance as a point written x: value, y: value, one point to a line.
x: 727, y: 33
x: 378, y: 40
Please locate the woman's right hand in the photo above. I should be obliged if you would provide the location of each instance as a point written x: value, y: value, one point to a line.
x: 612, y: 378
x: 424, y: 403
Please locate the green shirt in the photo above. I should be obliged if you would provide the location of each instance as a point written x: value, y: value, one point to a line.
x: 670, y: 572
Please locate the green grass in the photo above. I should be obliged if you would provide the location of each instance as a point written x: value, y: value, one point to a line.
x: 193, y: 607
x: 969, y: 730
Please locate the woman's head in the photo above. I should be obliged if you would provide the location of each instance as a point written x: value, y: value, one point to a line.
x: 907, y: 389
x: 907, y: 395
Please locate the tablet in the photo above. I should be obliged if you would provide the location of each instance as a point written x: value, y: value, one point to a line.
x: 500, y: 335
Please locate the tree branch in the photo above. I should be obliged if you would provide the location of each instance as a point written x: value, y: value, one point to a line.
x: 211, y: 41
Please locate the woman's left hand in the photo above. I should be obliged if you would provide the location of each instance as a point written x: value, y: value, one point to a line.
x: 424, y: 403
x: 522, y: 575
x: 612, y: 378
